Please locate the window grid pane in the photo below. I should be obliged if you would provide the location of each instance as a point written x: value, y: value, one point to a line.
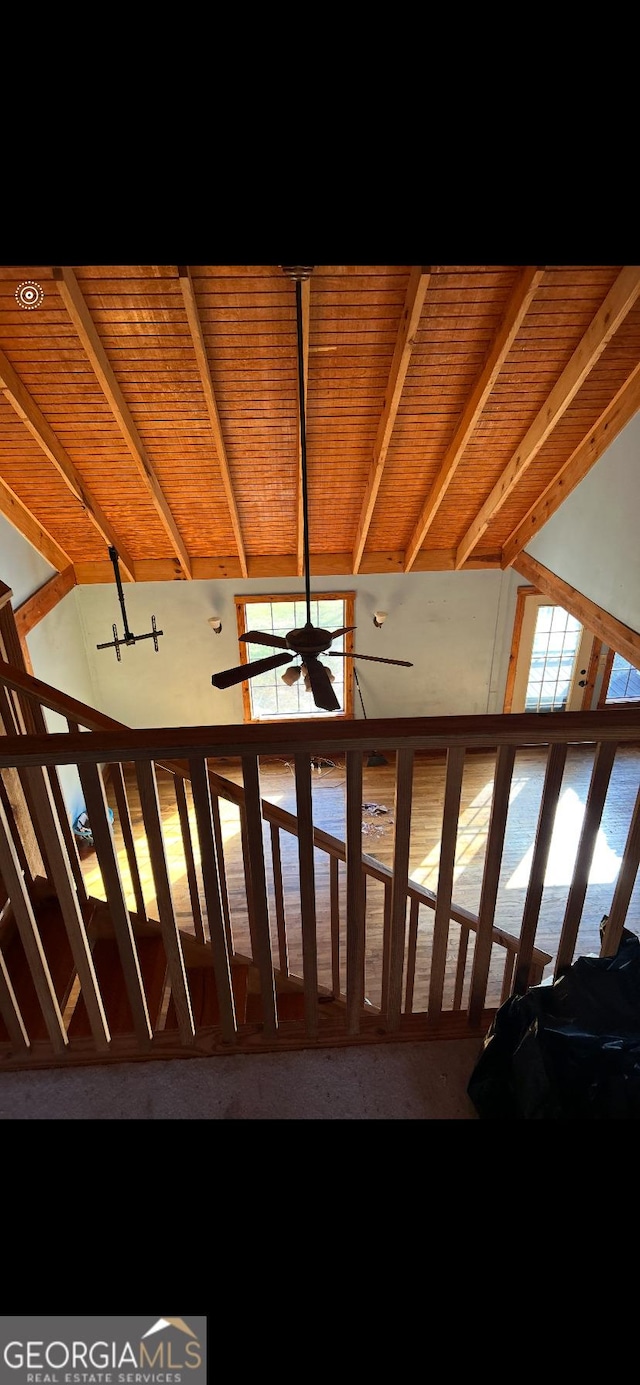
x: 269, y: 696
x: 624, y: 682
x: 555, y: 644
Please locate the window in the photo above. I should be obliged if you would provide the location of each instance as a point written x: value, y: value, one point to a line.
x: 555, y: 644
x: 266, y: 697
x: 550, y: 668
x: 621, y: 682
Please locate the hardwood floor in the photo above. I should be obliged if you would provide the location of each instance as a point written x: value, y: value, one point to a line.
x: 328, y: 788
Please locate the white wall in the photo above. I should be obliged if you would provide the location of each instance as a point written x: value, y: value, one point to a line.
x: 455, y: 627
x: 592, y: 540
x: 21, y: 567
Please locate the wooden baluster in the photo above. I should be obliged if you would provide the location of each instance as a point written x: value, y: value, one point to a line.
x: 122, y: 804
x: 148, y: 789
x: 601, y: 774
x: 255, y: 855
x: 386, y: 948
x: 442, y: 915
x: 10, y: 1011
x: 219, y: 948
x: 544, y: 831
x: 107, y: 856
x: 490, y: 880
x: 463, y: 948
x: 30, y: 937
x: 402, y: 835
x: 192, y: 879
x: 63, y: 881
x: 15, y: 833
x: 536, y: 973
x: 334, y: 902
x: 222, y: 874
x: 276, y: 859
x: 355, y: 891
x: 14, y: 726
x: 507, y: 975
x: 412, y: 949
x: 306, y: 867
x: 624, y: 887
x: 35, y: 724
x: 248, y: 883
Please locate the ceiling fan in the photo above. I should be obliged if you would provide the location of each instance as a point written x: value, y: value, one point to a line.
x: 309, y: 642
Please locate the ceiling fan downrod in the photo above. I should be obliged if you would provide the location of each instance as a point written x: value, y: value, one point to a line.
x: 299, y: 273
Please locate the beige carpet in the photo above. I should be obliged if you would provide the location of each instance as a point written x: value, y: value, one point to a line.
x: 387, y: 1082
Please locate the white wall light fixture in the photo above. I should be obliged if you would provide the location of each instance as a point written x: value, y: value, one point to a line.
x: 215, y: 623
x: 379, y: 618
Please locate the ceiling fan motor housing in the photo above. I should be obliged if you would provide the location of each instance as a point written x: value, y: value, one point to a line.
x: 309, y: 640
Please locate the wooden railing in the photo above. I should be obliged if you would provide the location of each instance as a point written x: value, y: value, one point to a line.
x: 35, y: 756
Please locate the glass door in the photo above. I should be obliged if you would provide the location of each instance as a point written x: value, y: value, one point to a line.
x: 552, y: 660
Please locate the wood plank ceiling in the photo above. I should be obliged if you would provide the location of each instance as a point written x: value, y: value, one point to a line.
x: 450, y: 409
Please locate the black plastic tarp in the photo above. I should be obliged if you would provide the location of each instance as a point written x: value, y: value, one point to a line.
x: 569, y: 1051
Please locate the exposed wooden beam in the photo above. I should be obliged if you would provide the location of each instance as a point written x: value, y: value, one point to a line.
x: 28, y: 411
x: 413, y: 305
x: 284, y: 565
x: 605, y: 324
x: 26, y: 523
x: 32, y: 611
x: 516, y: 310
x: 305, y: 301
x: 620, y: 637
x: 615, y: 417
x: 73, y: 300
x: 197, y: 337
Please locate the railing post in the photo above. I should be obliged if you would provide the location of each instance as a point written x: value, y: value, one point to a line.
x: 355, y: 891
x: 30, y: 938
x: 221, y: 959
x: 69, y: 905
x: 173, y: 947
x: 334, y: 898
x: 544, y: 831
x: 189, y: 860
x: 401, y: 841
x: 442, y: 916
x: 490, y: 879
x: 411, y: 954
x: 255, y: 855
x: 624, y: 887
x: 306, y: 866
x: 601, y: 774
x: 122, y: 804
x: 107, y: 856
x: 276, y: 860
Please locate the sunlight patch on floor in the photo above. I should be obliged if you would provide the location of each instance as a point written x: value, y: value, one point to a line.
x: 564, y: 846
x: 473, y: 828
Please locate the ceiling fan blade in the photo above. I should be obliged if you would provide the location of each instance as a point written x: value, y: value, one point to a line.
x: 372, y: 658
x: 323, y: 694
x: 263, y: 637
x: 230, y: 676
x: 335, y: 634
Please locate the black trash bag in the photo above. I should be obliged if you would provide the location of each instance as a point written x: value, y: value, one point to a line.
x: 570, y: 1051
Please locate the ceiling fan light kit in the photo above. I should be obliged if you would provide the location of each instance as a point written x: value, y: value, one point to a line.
x: 308, y: 642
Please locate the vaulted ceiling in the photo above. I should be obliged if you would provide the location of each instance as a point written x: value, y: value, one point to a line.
x: 449, y: 409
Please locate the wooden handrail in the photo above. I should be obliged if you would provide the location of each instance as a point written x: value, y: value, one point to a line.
x: 111, y: 739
